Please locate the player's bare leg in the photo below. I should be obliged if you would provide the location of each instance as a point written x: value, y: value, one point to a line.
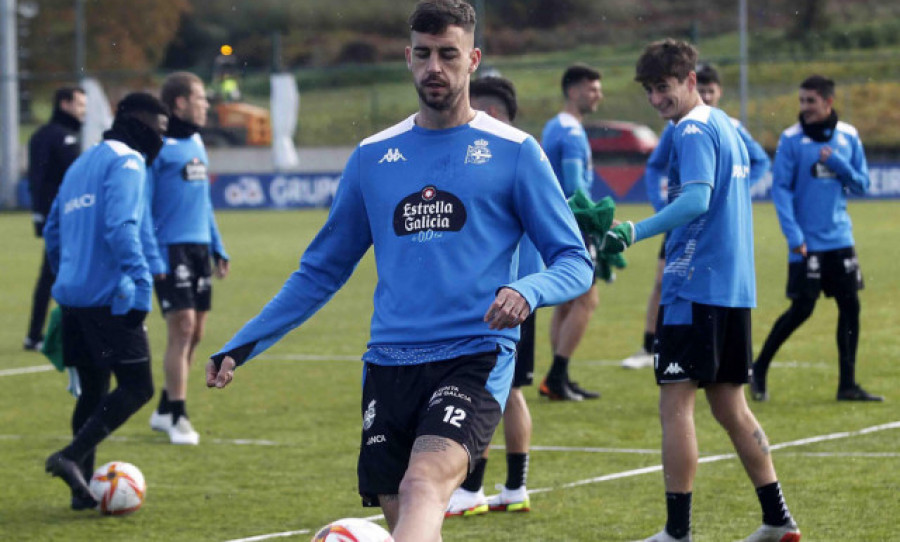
x: 679, y: 437
x: 729, y: 407
x: 180, y: 326
x: 517, y: 423
x: 567, y: 328
x: 436, y: 467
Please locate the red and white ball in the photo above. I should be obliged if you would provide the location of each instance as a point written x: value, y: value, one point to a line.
x: 352, y: 530
x: 118, y: 487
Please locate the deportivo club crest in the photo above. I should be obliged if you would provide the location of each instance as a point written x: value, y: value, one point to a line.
x: 369, y: 416
x: 479, y: 153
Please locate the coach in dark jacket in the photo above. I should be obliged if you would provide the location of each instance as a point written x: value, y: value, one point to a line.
x: 51, y: 150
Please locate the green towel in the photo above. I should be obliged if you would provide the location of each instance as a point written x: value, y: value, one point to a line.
x: 53, y: 340
x: 594, y: 219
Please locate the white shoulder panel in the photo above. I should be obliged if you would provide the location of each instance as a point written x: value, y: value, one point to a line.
x: 120, y: 148
x: 395, y: 130
x: 489, y: 124
x: 847, y: 128
x: 700, y: 114
x: 793, y: 130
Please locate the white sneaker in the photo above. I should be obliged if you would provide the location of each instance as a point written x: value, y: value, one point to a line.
x: 466, y: 503
x: 638, y: 360
x: 663, y: 536
x: 768, y: 533
x: 509, y: 500
x: 160, y: 422
x: 183, y: 432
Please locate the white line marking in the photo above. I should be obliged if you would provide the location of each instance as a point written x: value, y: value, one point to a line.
x: 584, y: 449
x: 644, y: 470
x: 27, y: 370
x: 308, y: 357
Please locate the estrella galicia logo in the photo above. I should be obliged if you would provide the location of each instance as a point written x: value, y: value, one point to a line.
x: 194, y: 170
x: 429, y: 210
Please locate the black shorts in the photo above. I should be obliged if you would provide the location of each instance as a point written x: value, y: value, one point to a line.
x: 834, y: 272
x: 662, y: 247
x: 591, y: 244
x: 94, y: 337
x: 188, y: 284
x: 702, y: 343
x: 524, y: 373
x: 448, y: 399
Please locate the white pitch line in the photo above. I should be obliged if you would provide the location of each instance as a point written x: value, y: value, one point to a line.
x: 27, y: 370
x: 644, y: 470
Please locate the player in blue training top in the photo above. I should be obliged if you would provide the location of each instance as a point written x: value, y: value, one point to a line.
x: 100, y: 245
x: 566, y: 144
x: 444, y: 198
x: 710, y: 89
x: 188, y: 239
x: 496, y: 96
x: 818, y: 161
x: 703, y: 336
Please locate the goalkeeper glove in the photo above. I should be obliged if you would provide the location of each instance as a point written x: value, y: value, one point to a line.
x: 618, y: 238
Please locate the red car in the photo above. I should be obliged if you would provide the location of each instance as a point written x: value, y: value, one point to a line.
x: 616, y: 137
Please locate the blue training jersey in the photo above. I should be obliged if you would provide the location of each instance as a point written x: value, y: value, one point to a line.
x: 709, y: 260
x: 97, y: 235
x: 658, y: 163
x: 180, y: 201
x: 445, y: 211
x: 811, y: 197
x: 566, y: 143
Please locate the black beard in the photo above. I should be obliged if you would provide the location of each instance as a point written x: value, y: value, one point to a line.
x: 440, y: 104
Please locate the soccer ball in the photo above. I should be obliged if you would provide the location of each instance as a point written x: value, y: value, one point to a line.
x: 118, y: 487
x: 352, y: 530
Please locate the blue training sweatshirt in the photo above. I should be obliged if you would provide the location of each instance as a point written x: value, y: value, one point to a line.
x: 445, y: 211
x: 98, y: 241
x: 180, y: 201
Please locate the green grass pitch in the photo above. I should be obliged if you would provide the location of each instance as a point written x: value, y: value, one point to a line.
x: 278, y: 447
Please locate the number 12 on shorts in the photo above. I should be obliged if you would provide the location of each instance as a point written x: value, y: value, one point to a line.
x: 454, y: 415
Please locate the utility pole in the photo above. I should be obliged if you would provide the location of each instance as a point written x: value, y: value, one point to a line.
x: 9, y: 104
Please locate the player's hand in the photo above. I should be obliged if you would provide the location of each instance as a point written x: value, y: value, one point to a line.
x: 825, y: 153
x: 222, y: 268
x: 159, y: 277
x: 509, y: 309
x: 800, y: 250
x: 618, y: 238
x: 219, y: 376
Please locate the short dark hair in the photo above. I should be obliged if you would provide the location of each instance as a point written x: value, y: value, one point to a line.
x: 820, y: 84
x: 177, y: 84
x: 577, y: 73
x: 66, y: 94
x: 707, y: 75
x: 434, y: 16
x: 140, y: 102
x: 666, y: 58
x: 499, y: 88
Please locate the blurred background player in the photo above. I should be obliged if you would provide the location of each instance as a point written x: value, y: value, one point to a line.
x: 818, y: 161
x: 496, y: 96
x: 566, y: 145
x: 454, y: 191
x: 188, y: 239
x: 51, y: 150
x: 710, y: 89
x: 704, y: 338
x: 99, y: 243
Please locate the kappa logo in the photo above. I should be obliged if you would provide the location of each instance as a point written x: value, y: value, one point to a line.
x: 673, y: 369
x: 479, y: 153
x: 691, y: 129
x: 391, y: 156
x: 70, y: 140
x: 369, y: 416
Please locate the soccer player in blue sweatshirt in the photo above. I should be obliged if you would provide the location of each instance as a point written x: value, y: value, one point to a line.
x: 443, y: 198
x: 819, y: 161
x: 189, y: 242
x: 703, y: 335
x: 100, y: 246
x: 566, y: 144
x: 710, y: 89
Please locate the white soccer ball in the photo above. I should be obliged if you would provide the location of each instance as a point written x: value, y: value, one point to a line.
x: 352, y: 530
x: 118, y: 487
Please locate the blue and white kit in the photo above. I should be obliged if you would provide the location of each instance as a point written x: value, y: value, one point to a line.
x: 569, y: 151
